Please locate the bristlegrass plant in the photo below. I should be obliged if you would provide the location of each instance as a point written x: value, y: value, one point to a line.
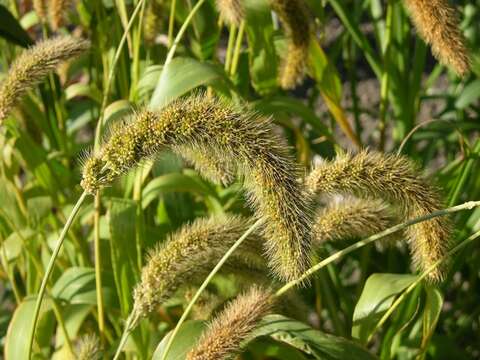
x: 33, y: 65
x: 238, y: 136
x: 163, y: 249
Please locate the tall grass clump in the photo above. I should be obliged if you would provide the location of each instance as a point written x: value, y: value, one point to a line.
x: 236, y: 135
x: 33, y: 65
x: 437, y: 23
x: 398, y: 181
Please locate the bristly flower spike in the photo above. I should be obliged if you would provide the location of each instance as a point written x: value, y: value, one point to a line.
x: 239, y: 137
x: 58, y: 8
x: 33, y: 65
x: 88, y: 348
x: 295, y: 19
x: 231, y: 11
x: 192, y: 251
x: 396, y: 180
x: 225, y: 334
x: 351, y: 218
x: 437, y: 23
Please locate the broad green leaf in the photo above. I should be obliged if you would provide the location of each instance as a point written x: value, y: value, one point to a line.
x: 84, y: 90
x: 11, y: 30
x: 148, y: 81
x: 39, y: 207
x: 185, y: 339
x: 173, y: 183
x: 311, y: 341
x: 116, y: 111
x: 469, y: 95
x: 431, y: 314
x: 19, y: 329
x: 73, y: 316
x: 262, y: 54
x: 377, y: 296
x: 77, y: 286
x: 121, y: 217
x: 182, y: 75
x: 9, y: 207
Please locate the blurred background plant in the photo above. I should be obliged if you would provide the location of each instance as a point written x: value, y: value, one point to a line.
x: 370, y: 82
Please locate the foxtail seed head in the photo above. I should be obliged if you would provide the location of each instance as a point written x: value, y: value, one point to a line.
x: 396, y: 180
x: 437, y: 23
x: 231, y: 11
x: 238, y: 137
x: 225, y: 334
x: 351, y: 218
x: 194, y: 249
x: 40, y: 8
x: 88, y: 348
x: 152, y: 22
x: 33, y: 65
x: 295, y: 19
x: 58, y: 8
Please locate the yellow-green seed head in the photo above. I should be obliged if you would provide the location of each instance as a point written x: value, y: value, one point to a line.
x: 33, y: 65
x: 152, y: 23
x: 295, y: 19
x: 437, y: 23
x: 351, y: 218
x: 238, y: 137
x: 225, y: 334
x: 194, y: 249
x: 396, y: 180
x: 88, y: 348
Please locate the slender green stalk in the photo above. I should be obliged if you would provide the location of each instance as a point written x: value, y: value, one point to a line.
x: 231, y: 41
x: 204, y: 285
x: 182, y: 30
x: 171, y: 22
x: 238, y: 47
x: 408, y: 290
x: 48, y: 272
x: 111, y: 74
x: 385, y: 76
x: 98, y: 266
x: 465, y: 206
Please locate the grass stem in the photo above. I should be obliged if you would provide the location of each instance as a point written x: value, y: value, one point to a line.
x: 48, y: 272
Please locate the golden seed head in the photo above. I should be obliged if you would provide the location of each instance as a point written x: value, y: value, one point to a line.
x: 58, y: 8
x: 437, y: 23
x: 204, y: 125
x: 33, y: 65
x: 224, y: 335
x: 88, y: 348
x: 293, y: 15
x: 231, y: 11
x: 396, y: 180
x: 40, y: 7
